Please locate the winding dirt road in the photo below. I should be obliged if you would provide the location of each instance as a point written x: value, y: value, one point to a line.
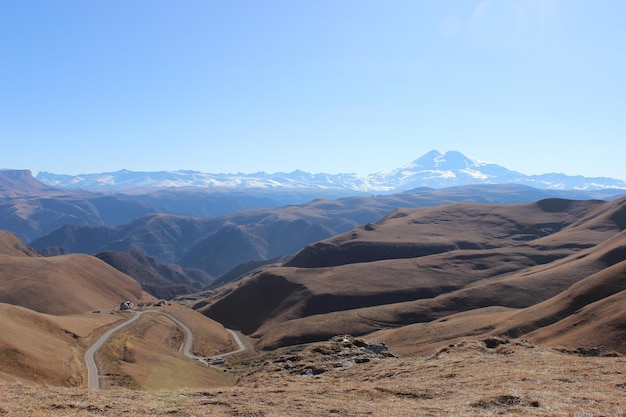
x: 93, y: 375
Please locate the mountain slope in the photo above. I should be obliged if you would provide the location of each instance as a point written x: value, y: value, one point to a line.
x: 589, y: 313
x: 263, y: 234
x: 162, y: 281
x: 12, y: 245
x: 61, y: 285
x: 43, y: 348
x: 20, y: 182
x: 421, y: 265
x: 29, y: 208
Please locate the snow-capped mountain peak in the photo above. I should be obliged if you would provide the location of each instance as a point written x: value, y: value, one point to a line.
x: 434, y: 169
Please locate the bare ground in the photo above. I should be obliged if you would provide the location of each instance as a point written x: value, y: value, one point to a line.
x: 471, y: 378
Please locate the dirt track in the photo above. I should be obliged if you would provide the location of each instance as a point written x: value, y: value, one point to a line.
x: 93, y: 378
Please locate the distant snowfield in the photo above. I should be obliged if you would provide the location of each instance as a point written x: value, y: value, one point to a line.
x: 434, y: 169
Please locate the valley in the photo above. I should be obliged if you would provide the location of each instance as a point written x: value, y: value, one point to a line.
x: 449, y: 301
x: 312, y: 208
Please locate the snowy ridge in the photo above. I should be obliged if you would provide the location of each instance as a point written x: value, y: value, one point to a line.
x: 434, y: 169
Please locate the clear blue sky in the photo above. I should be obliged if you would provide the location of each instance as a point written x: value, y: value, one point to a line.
x: 325, y: 86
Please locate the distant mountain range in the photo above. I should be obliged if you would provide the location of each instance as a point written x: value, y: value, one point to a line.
x: 218, y: 244
x: 434, y: 169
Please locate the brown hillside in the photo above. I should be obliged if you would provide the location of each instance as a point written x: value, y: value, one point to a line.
x: 605, y: 283
x: 468, y: 379
x: 590, y: 314
x: 43, y: 348
x: 421, y: 265
x: 600, y: 325
x: 147, y: 354
x: 520, y: 289
x: 411, y: 233
x: 205, y: 242
x: 66, y: 284
x: 12, y: 245
x: 48, y: 349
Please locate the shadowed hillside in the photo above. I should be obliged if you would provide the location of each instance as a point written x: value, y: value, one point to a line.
x: 31, y: 209
x: 588, y: 313
x: 420, y: 265
x: 217, y: 245
x: 20, y: 182
x: 162, y: 281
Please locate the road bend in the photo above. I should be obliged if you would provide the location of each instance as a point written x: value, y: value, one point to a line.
x: 93, y: 375
x: 240, y: 345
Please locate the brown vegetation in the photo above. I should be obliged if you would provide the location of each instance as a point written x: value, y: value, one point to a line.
x: 513, y: 378
x: 450, y: 290
x: 147, y: 354
x: 45, y: 348
x: 67, y: 284
x: 52, y: 309
x: 419, y: 267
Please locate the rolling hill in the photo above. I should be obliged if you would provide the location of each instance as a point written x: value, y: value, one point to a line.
x: 218, y: 244
x: 429, y: 265
x: 46, y: 309
x: 44, y: 348
x: 61, y: 285
x: 67, y: 284
x: 53, y: 308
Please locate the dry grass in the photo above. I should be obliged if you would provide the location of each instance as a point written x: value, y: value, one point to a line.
x: 45, y: 348
x: 147, y: 355
x: 63, y: 285
x: 50, y: 349
x: 210, y: 339
x: 421, y: 265
x: 469, y: 379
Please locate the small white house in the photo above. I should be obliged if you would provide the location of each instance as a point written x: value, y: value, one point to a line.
x: 126, y: 305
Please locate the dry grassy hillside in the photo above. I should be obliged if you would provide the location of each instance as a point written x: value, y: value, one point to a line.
x: 66, y: 284
x: 146, y: 354
x: 589, y: 314
x: 422, y: 265
x: 472, y: 378
x: 13, y: 246
x: 52, y: 309
x: 43, y: 348
x: 61, y: 285
x: 441, y: 288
